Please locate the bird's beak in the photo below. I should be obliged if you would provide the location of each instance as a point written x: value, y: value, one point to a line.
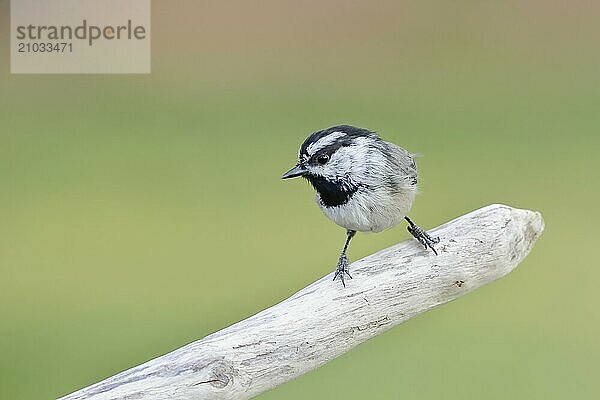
x: 298, y: 170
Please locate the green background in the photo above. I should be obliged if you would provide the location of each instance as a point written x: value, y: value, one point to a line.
x: 139, y: 213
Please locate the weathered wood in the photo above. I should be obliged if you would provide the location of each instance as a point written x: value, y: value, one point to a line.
x: 324, y: 320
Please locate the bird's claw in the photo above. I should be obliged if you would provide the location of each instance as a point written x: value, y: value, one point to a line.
x: 342, y: 269
x: 423, y: 237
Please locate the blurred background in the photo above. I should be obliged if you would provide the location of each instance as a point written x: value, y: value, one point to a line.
x: 139, y: 213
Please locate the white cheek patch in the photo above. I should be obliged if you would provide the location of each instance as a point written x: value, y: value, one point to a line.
x: 324, y: 142
x: 352, y: 159
x: 341, y: 162
x: 345, y: 162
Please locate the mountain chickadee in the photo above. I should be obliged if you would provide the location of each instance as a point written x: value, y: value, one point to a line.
x: 363, y: 183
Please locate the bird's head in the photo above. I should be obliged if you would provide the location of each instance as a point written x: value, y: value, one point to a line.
x: 337, y: 160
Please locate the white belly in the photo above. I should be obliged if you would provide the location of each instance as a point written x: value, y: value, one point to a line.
x: 372, y: 212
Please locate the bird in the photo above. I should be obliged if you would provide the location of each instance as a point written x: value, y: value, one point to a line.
x: 362, y: 182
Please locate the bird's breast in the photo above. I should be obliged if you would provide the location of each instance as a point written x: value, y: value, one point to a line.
x: 368, y: 210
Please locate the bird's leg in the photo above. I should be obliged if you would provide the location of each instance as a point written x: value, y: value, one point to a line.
x: 343, y: 264
x: 422, y: 236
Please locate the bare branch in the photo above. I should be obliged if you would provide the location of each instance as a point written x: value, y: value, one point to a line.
x: 325, y: 320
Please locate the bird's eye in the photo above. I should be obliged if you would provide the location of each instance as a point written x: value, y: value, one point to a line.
x: 322, y: 159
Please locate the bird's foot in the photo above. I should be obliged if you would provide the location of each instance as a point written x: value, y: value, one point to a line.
x: 423, y: 237
x: 342, y: 269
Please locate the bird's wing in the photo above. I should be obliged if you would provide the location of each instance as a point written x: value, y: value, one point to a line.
x: 403, y: 162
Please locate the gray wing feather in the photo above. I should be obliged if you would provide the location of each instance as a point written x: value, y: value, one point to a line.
x: 403, y: 164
